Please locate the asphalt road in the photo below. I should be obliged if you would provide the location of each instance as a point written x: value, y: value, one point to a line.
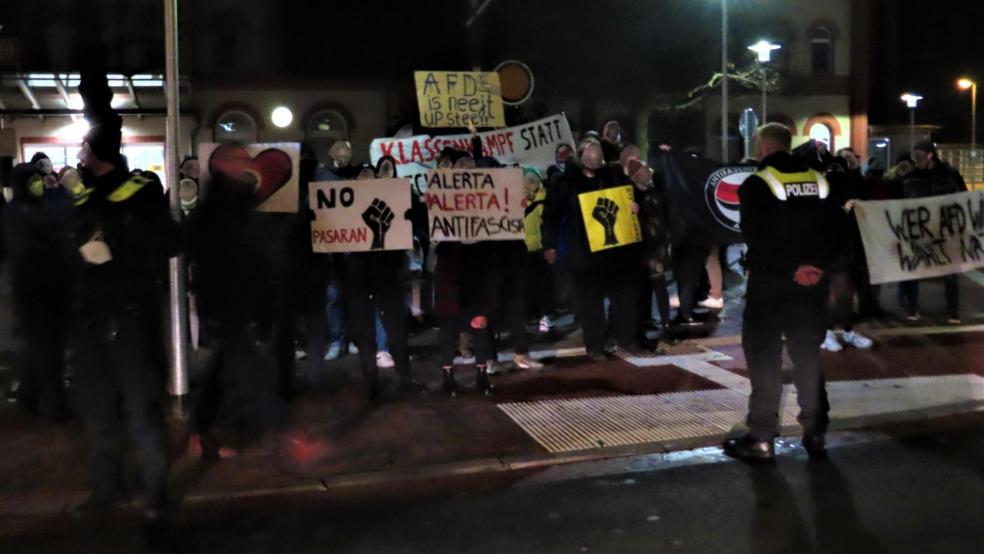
x: 915, y: 493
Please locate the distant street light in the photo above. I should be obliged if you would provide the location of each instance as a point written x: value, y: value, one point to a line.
x: 764, y: 50
x: 965, y: 84
x: 911, y: 101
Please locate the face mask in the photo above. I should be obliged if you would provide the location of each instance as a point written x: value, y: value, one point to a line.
x: 35, y: 187
x: 44, y: 166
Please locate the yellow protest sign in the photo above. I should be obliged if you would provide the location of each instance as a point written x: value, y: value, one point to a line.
x: 608, y: 218
x: 457, y: 98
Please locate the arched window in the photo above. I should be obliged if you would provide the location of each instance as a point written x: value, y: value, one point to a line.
x: 323, y: 128
x: 821, y: 50
x: 235, y: 126
x: 820, y: 132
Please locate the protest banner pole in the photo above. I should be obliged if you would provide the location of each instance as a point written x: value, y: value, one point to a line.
x: 177, y: 383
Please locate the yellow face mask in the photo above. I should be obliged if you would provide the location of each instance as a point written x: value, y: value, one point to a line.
x: 35, y: 186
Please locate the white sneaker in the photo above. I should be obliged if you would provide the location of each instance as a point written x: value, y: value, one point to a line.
x: 334, y: 352
x: 384, y: 360
x: 858, y: 340
x: 545, y: 324
x: 495, y: 368
x: 831, y: 344
x: 712, y: 303
x: 352, y: 348
x: 300, y: 354
x: 522, y: 361
x: 675, y: 302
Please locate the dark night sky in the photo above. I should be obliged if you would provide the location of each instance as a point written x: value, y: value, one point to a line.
x: 934, y: 43
x: 590, y: 45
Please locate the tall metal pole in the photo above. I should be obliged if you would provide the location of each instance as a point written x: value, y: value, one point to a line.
x: 724, y: 81
x: 973, y: 121
x: 765, y: 84
x: 912, y: 129
x: 177, y: 383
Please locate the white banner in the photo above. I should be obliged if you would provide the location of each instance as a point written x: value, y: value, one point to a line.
x: 920, y: 238
x: 272, y: 168
x: 360, y: 216
x: 475, y: 204
x: 533, y: 144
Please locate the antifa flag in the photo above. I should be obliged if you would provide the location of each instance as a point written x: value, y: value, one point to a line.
x: 703, y: 198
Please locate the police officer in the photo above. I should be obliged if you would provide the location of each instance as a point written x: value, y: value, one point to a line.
x: 786, y: 221
x: 125, y: 235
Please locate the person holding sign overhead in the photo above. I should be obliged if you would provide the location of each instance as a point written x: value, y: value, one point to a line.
x: 601, y: 233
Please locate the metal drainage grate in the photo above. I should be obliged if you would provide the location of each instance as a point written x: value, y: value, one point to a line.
x: 587, y: 423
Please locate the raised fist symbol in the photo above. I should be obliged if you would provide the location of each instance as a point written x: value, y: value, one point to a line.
x: 605, y: 213
x: 378, y: 217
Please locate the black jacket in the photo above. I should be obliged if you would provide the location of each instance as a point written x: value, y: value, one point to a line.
x: 783, y: 235
x: 141, y: 237
x: 935, y: 181
x: 563, y: 226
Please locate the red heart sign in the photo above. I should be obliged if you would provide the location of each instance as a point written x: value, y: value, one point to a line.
x: 269, y: 170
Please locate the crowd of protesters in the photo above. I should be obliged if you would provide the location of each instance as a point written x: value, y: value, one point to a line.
x: 87, y: 250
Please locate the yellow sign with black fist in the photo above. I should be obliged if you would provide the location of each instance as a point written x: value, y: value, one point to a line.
x: 608, y: 218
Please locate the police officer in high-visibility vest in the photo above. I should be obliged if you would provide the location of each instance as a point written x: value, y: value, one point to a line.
x: 787, y: 224
x: 125, y: 235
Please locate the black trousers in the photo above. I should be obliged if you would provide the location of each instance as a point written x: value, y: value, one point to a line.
x: 119, y: 386
x: 240, y: 383
x: 621, y: 287
x: 776, y: 308
x: 909, y: 293
x: 689, y: 258
x: 540, y: 286
x: 371, y: 282
x: 42, y: 323
x: 512, y: 281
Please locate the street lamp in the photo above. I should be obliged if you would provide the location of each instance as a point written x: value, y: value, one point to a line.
x: 964, y: 84
x: 911, y: 101
x: 724, y: 81
x: 764, y: 50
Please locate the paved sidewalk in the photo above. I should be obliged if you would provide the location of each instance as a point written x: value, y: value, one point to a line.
x: 691, y: 395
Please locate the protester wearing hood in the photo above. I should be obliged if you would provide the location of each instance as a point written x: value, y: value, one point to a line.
x: 611, y: 141
x: 931, y: 177
x: 374, y: 289
x: 37, y: 229
x: 611, y: 273
x: 125, y: 235
x: 845, y: 278
x: 339, y: 166
x: 43, y: 163
x: 539, y: 274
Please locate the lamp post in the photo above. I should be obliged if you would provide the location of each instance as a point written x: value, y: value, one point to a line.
x: 724, y: 81
x: 964, y: 84
x: 911, y: 101
x: 763, y: 49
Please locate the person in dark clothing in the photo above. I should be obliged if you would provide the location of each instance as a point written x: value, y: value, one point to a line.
x: 787, y: 222
x: 844, y: 274
x: 125, y: 235
x: 611, y: 141
x: 931, y: 177
x: 37, y: 228
x: 654, y: 220
x: 376, y: 283
x: 611, y: 273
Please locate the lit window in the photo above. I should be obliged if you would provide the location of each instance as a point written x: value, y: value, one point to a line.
x: 821, y: 133
x: 235, y: 126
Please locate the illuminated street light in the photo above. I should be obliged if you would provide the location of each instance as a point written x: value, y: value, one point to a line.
x: 281, y: 116
x: 911, y: 101
x: 764, y: 50
x: 964, y: 84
